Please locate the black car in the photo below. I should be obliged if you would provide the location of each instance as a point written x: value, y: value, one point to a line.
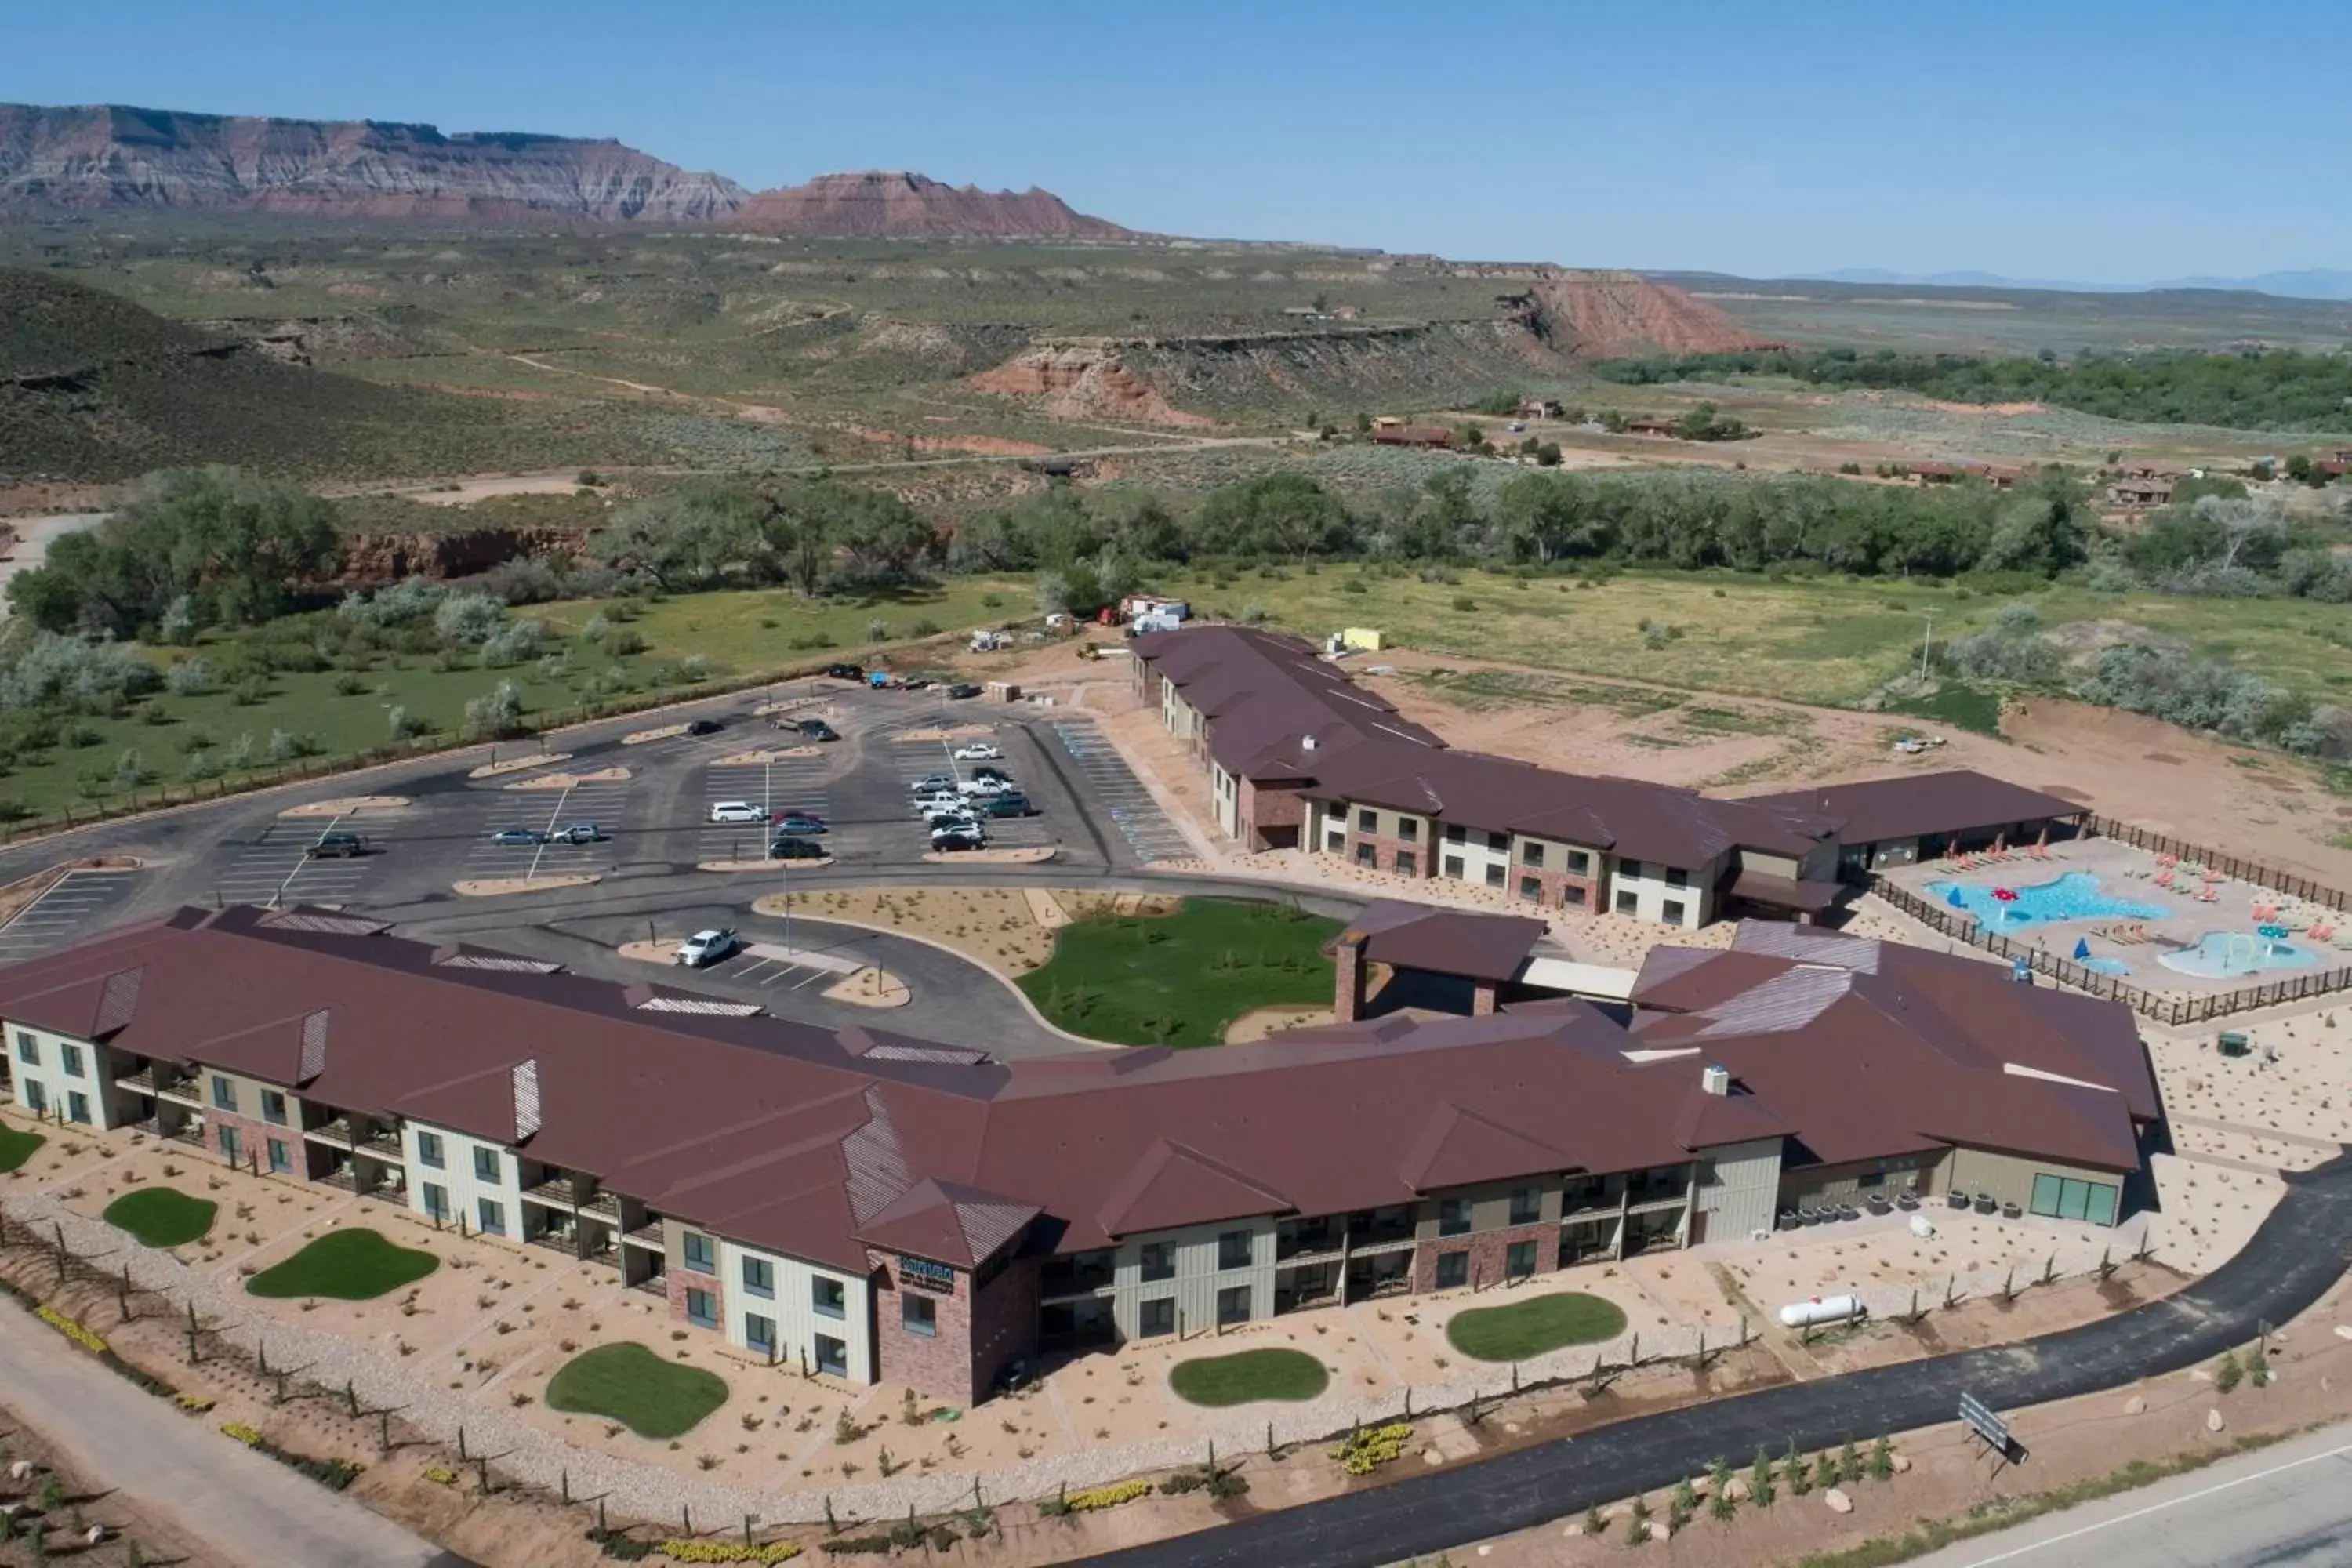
x: 962, y: 689
x: 703, y: 726
x: 846, y: 671
x: 817, y: 729
x: 333, y: 846
x: 795, y: 849
x: 990, y: 771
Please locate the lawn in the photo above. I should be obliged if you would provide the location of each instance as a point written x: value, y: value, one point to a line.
x: 17, y: 1147
x: 1531, y: 1327
x: 1248, y: 1376
x: 161, y: 1216
x: 348, y: 1264
x: 1179, y: 979
x: 631, y: 1384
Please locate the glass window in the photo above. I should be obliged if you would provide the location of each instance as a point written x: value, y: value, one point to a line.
x: 2099, y: 1208
x: 1456, y: 834
x: 223, y: 1093
x: 1409, y: 828
x: 1453, y: 1270
x: 919, y: 1313
x: 2066, y: 1198
x: 28, y: 1049
x: 1493, y: 875
x: 437, y: 1201
x: 1499, y: 841
x: 281, y: 1160
x: 273, y: 1107
x: 1335, y: 841
x: 701, y: 1252
x: 1670, y: 911
x: 1628, y: 903
x: 1453, y: 1217
x: 1366, y: 855
x: 1526, y: 1206
x: 232, y: 1147
x: 428, y: 1150
x: 702, y: 1308
x: 1531, y: 888
x: 1234, y: 1249
x: 1159, y: 1261
x: 759, y: 1277
x: 70, y: 1056
x: 1155, y: 1317
x: 1678, y: 878
x: 493, y: 1216
x: 759, y: 1333
x: 1572, y: 895
x: 1407, y: 863
x: 36, y: 1098
x: 1454, y: 866
x: 1368, y: 822
x: 1629, y: 869
x: 1531, y: 853
x: 1234, y: 1305
x: 1519, y: 1261
x: 828, y: 1297
x: 832, y: 1356
x: 486, y: 1164
x: 77, y: 1106
x: 1578, y: 862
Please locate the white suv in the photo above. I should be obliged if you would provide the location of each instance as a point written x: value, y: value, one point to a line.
x: 736, y: 811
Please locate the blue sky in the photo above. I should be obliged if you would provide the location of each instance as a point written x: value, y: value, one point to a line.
x: 2090, y: 140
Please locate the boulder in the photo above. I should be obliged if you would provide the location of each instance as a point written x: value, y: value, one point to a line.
x: 1901, y: 1463
x: 1837, y: 1499
x: 2344, y: 1331
x: 2213, y: 1422
x: 2136, y: 1406
x: 1658, y: 1531
x: 21, y: 1471
x: 1735, y: 1489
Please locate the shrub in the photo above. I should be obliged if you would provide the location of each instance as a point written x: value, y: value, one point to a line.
x: 399, y: 604
x: 2229, y: 1373
x: 515, y: 643
x: 71, y: 1329
x: 1368, y: 1448
x: 727, y: 1551
x: 495, y: 713
x: 623, y: 642
x: 467, y: 620
x: 694, y: 667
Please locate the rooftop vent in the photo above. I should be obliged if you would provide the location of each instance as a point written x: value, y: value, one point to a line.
x: 1716, y: 1079
x: 1307, y: 742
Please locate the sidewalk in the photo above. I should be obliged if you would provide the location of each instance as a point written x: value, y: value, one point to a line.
x: 248, y: 1508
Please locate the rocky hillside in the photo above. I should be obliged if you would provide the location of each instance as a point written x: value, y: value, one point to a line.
x: 1590, y: 315
x: 108, y: 158
x: 886, y: 205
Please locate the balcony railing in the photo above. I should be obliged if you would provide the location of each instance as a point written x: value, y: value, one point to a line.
x: 653, y: 1285
x: 140, y: 1082
x: 557, y: 1191
x: 384, y: 1144
x: 337, y: 1132
x: 181, y: 1090
x: 649, y: 1234
x: 603, y: 1203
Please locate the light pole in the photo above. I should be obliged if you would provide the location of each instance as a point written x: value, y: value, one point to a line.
x: 788, y: 905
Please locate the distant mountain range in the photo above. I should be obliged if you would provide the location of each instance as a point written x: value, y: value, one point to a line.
x: 2311, y: 283
x: 82, y: 161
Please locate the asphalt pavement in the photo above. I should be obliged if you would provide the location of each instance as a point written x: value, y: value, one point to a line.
x: 2299, y: 1253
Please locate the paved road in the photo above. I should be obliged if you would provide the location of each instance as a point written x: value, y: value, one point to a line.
x: 2285, y: 1507
x: 2296, y: 1256
x: 248, y: 1508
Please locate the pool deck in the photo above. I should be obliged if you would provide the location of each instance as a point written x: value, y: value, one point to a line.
x: 2129, y: 874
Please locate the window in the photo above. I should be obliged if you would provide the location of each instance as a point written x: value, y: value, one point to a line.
x: 2062, y: 1197
x: 1629, y: 869
x: 1454, y: 866
x: 1158, y: 1260
x: 759, y: 1334
x: 1578, y: 862
x: 919, y: 1313
x: 428, y: 1150
x: 1531, y: 853
x: 1234, y: 1249
x: 1409, y: 829
x: 1456, y: 834
x: 1526, y: 1206
x: 1628, y: 903
x: 1155, y: 1317
x: 437, y: 1201
x: 1678, y: 878
x: 702, y: 1308
x: 77, y: 1106
x: 1519, y: 1261
x: 486, y: 1164
x: 1453, y: 1217
x: 281, y: 1158
x: 828, y: 1297
x: 273, y: 1107
x: 36, y: 1098
x: 1531, y: 888
x: 1493, y: 875
x: 223, y: 1093
x: 1335, y: 841
x: 70, y: 1057
x: 1501, y: 841
x: 28, y: 1049
x: 1407, y: 863
x: 759, y: 1279
x: 493, y: 1216
x: 1453, y: 1270
x: 1670, y: 911
x: 701, y: 1252
x: 1233, y: 1306
x: 231, y: 1147
x: 1572, y: 896
x: 1366, y: 855
x: 832, y: 1356
x: 1368, y: 822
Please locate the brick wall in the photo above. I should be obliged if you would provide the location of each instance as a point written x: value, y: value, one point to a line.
x: 1555, y: 884
x: 1348, y: 980
x: 940, y: 1364
x: 1004, y: 1324
x: 1385, y: 850
x: 679, y: 1280
x: 1487, y: 1249
x: 1270, y: 818
x: 250, y: 1132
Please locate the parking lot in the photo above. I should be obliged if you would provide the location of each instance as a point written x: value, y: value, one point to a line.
x: 1120, y: 794
x: 786, y: 783
x: 78, y: 902
x: 273, y: 866
x: 604, y: 804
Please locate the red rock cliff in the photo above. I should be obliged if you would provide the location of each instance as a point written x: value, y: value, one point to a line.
x: 910, y: 206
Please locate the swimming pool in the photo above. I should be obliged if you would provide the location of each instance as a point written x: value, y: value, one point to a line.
x: 2115, y: 966
x: 2227, y: 954
x: 2072, y: 897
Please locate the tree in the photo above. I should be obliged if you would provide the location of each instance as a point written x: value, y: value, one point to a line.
x: 1281, y: 513
x: 884, y: 539
x: 1759, y: 1479
x: 1541, y: 517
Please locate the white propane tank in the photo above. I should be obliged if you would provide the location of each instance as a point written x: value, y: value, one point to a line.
x: 1821, y: 1310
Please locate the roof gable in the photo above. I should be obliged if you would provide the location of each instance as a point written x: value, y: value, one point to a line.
x: 1175, y: 1185
x: 1457, y: 1147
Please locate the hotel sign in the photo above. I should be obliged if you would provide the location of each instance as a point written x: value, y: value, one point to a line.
x: 926, y: 1275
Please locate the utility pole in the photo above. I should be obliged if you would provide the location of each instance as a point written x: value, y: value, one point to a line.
x: 1926, y: 644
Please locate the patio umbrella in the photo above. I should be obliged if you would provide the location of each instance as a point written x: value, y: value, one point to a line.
x: 1952, y: 897
x: 2082, y: 947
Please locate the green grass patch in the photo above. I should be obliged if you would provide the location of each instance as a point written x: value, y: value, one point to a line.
x: 1179, y: 979
x: 1957, y: 704
x: 1248, y: 1376
x: 17, y: 1147
x: 161, y: 1216
x: 1531, y: 1327
x: 348, y: 1264
x: 631, y: 1384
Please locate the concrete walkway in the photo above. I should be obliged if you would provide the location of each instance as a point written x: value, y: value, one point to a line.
x: 246, y: 1508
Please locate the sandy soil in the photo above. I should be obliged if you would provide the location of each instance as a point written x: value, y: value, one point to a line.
x: 572, y: 781
x: 1037, y: 855
x: 640, y: 736
x: 349, y: 805
x: 491, y: 887
x: 955, y: 732
x: 467, y: 492
x: 760, y: 759
x: 516, y: 765
x: 816, y: 865
x: 870, y: 988
x: 1259, y: 1022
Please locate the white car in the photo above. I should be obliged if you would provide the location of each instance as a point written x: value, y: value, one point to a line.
x: 705, y: 947
x: 736, y: 811
x: 977, y: 751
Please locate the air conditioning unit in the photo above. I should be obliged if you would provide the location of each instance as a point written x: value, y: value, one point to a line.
x: 1716, y: 1079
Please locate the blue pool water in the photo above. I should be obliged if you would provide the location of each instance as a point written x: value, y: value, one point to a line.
x: 2072, y: 897
x: 2227, y: 954
x: 2116, y: 966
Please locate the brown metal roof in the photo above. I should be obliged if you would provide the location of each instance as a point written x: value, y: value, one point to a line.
x: 1912, y: 805
x: 1275, y: 710
x: 1446, y: 941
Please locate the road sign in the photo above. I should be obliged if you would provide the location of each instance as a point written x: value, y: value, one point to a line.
x: 1986, y: 1426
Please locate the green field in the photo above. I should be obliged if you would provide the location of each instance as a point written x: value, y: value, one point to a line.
x: 348, y: 1264
x: 17, y: 1147
x: 1179, y: 979
x: 161, y: 1216
x: 1248, y: 1376
x: 1534, y: 1326
x: 631, y: 1384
